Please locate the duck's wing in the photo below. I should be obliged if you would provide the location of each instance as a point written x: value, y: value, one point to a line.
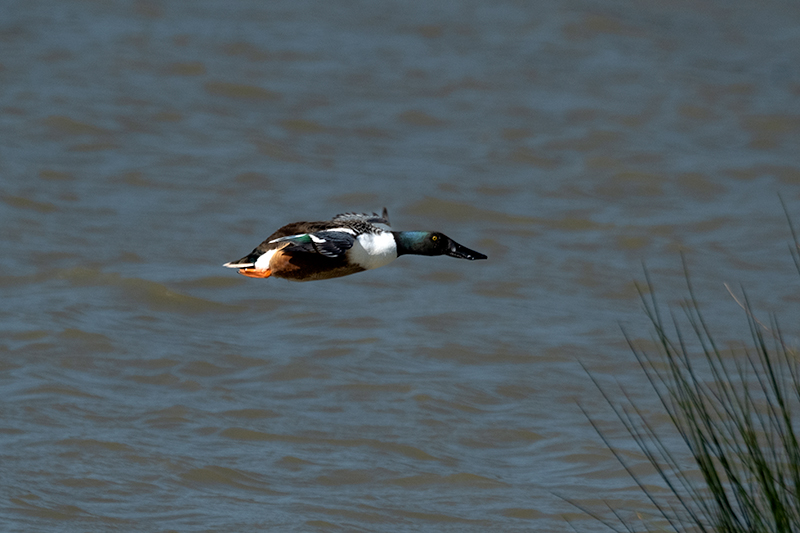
x: 331, y: 243
x: 374, y: 218
x: 331, y: 238
x: 295, y: 237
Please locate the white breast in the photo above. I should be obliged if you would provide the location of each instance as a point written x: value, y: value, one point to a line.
x: 373, y: 250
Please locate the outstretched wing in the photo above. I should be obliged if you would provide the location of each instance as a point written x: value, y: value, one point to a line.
x: 331, y: 244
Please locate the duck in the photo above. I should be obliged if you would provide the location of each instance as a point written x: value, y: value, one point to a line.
x: 346, y: 244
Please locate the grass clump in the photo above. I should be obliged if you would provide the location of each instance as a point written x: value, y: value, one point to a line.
x: 735, y: 411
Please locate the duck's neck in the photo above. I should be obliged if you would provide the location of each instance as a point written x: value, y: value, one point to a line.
x: 409, y: 242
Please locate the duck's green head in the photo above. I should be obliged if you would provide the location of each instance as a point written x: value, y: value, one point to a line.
x: 432, y: 243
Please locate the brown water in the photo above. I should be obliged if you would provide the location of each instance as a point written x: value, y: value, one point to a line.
x: 145, y: 388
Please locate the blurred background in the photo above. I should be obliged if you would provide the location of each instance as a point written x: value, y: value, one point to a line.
x: 145, y: 143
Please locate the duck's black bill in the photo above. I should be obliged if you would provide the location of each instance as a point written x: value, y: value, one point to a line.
x: 462, y: 252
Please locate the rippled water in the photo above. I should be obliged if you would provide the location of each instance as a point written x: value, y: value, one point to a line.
x: 145, y: 143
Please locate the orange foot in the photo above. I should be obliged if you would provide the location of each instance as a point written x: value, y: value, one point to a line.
x: 255, y: 272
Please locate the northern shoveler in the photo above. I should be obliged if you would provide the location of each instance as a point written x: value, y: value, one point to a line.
x: 346, y: 244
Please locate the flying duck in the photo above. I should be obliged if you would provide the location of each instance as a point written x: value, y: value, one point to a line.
x: 344, y: 245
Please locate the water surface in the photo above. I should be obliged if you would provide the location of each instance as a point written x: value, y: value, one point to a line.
x: 144, y: 144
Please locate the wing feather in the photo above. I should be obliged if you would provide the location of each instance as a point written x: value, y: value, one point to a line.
x: 331, y: 244
x: 374, y: 218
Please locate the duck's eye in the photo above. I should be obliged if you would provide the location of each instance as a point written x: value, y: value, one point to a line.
x: 434, y: 238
